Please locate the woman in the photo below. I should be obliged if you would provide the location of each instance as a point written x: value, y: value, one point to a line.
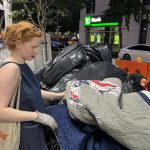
x: 23, y: 40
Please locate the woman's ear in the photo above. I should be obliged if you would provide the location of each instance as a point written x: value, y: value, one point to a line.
x: 18, y: 44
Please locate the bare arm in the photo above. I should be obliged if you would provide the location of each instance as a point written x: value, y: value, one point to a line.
x: 14, y: 115
x: 9, y: 75
x: 47, y: 95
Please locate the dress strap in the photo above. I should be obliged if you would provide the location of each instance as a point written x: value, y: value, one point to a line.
x: 8, y: 63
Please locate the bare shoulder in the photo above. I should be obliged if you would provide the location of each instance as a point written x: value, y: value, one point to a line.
x: 10, y: 67
x: 9, y: 75
x: 9, y: 71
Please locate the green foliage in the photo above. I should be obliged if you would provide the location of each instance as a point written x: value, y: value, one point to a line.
x: 74, y: 5
x: 119, y: 9
x: 20, y: 1
x: 63, y: 6
x: 44, y: 12
x: 33, y: 10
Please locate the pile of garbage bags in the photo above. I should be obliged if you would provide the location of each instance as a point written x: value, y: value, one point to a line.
x: 78, y: 62
x: 85, y: 62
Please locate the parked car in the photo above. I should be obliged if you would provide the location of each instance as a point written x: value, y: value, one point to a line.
x: 56, y: 46
x: 135, y: 51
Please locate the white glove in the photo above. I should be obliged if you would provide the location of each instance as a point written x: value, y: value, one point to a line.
x: 46, y: 120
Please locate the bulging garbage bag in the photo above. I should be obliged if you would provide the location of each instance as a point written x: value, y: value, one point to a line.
x: 99, y: 71
x: 132, y: 83
x: 61, y: 84
x: 106, y: 53
x: 72, y: 57
x: 93, y: 53
x: 39, y: 73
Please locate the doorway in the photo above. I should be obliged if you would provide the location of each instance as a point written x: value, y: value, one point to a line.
x: 101, y: 36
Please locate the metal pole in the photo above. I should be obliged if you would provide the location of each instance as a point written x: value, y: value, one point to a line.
x: 57, y: 30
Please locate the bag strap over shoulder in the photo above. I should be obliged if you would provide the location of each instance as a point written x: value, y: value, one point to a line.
x: 15, y: 101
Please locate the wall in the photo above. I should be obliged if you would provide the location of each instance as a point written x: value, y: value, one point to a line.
x: 99, y: 8
x: 148, y: 35
x: 148, y: 30
x: 81, y: 26
x: 128, y: 37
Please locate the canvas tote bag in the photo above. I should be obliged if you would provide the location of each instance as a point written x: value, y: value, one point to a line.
x: 10, y: 132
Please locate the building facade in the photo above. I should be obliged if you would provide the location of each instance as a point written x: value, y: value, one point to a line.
x: 95, y: 29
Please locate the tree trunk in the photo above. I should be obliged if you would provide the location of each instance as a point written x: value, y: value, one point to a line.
x: 8, y: 11
x: 1, y: 22
x: 45, y: 45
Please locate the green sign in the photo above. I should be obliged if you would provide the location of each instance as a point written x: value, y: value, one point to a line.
x: 98, y: 40
x: 92, y: 38
x: 116, y: 39
x: 97, y: 22
x: 105, y: 24
x: 87, y: 21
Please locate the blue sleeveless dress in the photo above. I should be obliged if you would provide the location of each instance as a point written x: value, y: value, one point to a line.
x: 32, y: 134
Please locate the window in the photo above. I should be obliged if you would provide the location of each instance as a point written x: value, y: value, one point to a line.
x: 146, y: 48
x: 90, y: 6
x: 146, y: 2
x: 133, y: 47
x: 140, y: 47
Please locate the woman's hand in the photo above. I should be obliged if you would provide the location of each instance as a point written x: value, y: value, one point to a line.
x: 47, y: 95
x: 46, y: 120
x: 62, y: 94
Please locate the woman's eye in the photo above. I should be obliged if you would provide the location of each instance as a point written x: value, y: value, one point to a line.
x: 34, y: 47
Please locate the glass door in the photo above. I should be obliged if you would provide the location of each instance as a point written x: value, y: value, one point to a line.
x: 101, y: 36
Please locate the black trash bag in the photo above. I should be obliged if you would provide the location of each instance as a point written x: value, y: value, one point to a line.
x: 132, y: 83
x: 148, y: 86
x: 39, y: 73
x: 99, y: 71
x: 44, y: 86
x: 61, y: 84
x: 127, y: 85
x: 106, y: 53
x: 93, y: 53
x: 72, y: 57
x: 70, y: 50
x: 66, y: 50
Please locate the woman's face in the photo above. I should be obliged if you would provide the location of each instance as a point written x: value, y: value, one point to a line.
x: 28, y: 50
